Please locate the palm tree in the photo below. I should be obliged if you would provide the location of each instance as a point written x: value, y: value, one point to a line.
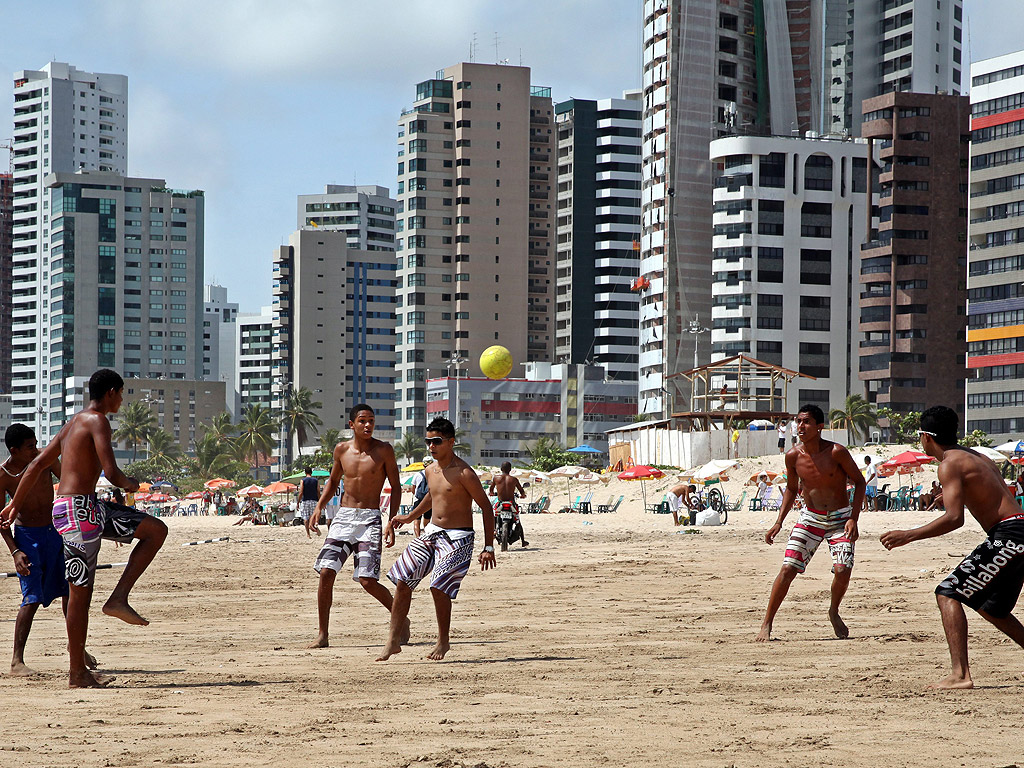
x: 163, y: 448
x: 330, y: 438
x: 257, y: 432
x: 134, y: 423
x: 213, y: 456
x: 857, y: 416
x: 410, y: 447
x: 461, y: 446
x: 220, y: 427
x: 300, y: 414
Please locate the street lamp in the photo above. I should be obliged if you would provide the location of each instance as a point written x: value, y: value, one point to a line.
x: 695, y: 330
x: 454, y: 362
x: 283, y: 386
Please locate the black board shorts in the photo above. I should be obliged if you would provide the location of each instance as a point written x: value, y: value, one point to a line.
x: 990, y: 578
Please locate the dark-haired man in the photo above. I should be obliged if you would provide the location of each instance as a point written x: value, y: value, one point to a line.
x: 989, y: 579
x: 365, y: 462
x: 84, y: 445
x: 445, y: 549
x: 506, y: 488
x: 308, y: 495
x: 824, y: 469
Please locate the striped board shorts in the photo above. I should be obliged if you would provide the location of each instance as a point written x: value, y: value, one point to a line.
x: 443, y: 554
x: 809, y: 531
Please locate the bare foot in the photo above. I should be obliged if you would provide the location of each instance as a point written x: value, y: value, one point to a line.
x: 841, y: 630
x: 120, y: 609
x: 90, y: 661
x: 20, y: 670
x: 403, y: 639
x: 765, y: 634
x: 389, y: 650
x: 87, y: 679
x: 439, y: 651
x: 321, y: 642
x: 953, y: 683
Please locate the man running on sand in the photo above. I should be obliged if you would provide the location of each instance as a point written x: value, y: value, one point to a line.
x: 989, y: 579
x: 34, y: 543
x: 824, y: 468
x: 446, y: 546
x: 355, y: 530
x: 84, y: 445
x: 506, y: 488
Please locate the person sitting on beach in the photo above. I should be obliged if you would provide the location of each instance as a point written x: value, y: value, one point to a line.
x: 679, y: 498
x: 822, y: 469
x: 445, y: 549
x: 932, y: 499
x: 989, y: 580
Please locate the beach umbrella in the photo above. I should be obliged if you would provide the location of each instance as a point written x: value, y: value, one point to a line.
x: 103, y: 484
x: 768, y: 475
x: 641, y: 472
x: 568, y: 471
x: 163, y: 485
x: 159, y: 497
x: 584, y: 449
x: 416, y: 466
x: 907, y: 458
x: 251, y: 490
x: 713, y: 471
x: 1011, y: 447
x: 278, y: 487
x: 589, y: 478
x: 142, y: 497
x: 218, y: 483
x: 194, y: 495
x: 300, y: 475
x: 991, y: 453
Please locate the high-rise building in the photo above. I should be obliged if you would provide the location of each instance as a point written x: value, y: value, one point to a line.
x: 913, y: 290
x: 366, y: 214
x: 253, y: 349
x: 597, y: 252
x: 334, y: 326
x: 64, y: 120
x: 790, y: 215
x: 219, y: 330
x: 476, y: 226
x: 720, y: 67
x: 6, y: 258
x: 124, y: 292
x: 996, y: 257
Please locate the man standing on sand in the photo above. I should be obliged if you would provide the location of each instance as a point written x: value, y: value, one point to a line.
x: 446, y: 547
x: 679, y: 498
x: 506, y: 488
x: 365, y: 462
x: 308, y: 495
x: 871, y: 483
x: 824, y: 468
x: 81, y: 520
x: 989, y: 579
x: 782, y: 435
x: 33, y: 542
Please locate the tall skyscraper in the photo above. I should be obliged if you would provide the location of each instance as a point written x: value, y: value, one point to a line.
x: 996, y: 257
x: 254, y: 346
x: 366, y: 214
x: 220, y: 318
x: 6, y: 258
x: 334, y: 325
x: 475, y: 230
x: 790, y: 215
x: 64, y: 120
x: 126, y: 267
x: 912, y: 285
x: 596, y: 312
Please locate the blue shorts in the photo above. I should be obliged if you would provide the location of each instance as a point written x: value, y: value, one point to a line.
x: 45, y: 551
x: 870, y: 491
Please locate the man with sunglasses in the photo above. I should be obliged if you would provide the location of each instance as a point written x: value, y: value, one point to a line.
x: 365, y: 462
x: 445, y: 549
x: 989, y: 580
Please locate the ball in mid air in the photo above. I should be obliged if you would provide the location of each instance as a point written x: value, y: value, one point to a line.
x: 496, y: 362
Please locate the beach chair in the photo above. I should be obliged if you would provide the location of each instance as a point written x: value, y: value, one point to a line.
x: 608, y: 503
x: 770, y: 503
x: 544, y: 505
x: 609, y: 507
x: 661, y: 506
x: 534, y: 507
x: 735, y: 507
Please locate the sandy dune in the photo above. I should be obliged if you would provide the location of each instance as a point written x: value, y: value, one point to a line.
x: 612, y: 640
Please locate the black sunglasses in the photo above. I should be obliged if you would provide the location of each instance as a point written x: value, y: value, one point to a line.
x: 433, y: 440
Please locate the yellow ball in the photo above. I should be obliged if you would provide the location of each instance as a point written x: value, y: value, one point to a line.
x: 496, y: 362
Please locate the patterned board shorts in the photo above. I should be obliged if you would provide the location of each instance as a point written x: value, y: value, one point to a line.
x: 355, y: 532
x: 447, y: 557
x: 811, y: 529
x: 82, y: 522
x: 306, y: 509
x: 990, y: 578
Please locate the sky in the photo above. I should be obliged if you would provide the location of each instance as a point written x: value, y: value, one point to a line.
x: 258, y: 101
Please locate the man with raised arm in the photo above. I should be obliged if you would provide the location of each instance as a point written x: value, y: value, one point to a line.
x: 84, y: 445
x: 824, y: 469
x: 365, y: 463
x: 989, y: 579
x: 445, y: 549
x: 506, y: 488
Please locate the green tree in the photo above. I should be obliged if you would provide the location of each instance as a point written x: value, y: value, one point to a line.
x: 257, y: 433
x: 975, y: 439
x: 164, y: 450
x: 220, y: 427
x: 134, y: 423
x: 461, y: 446
x: 300, y: 415
x: 214, y: 457
x: 856, y: 415
x: 330, y: 438
x: 902, y: 426
x: 547, y: 454
x: 409, y: 447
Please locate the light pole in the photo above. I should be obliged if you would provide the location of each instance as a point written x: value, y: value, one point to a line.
x: 695, y: 330
x: 283, y: 385
x: 454, y: 362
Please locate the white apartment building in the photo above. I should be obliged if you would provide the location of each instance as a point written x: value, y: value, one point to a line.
x: 789, y: 218
x: 366, y: 214
x: 597, y: 251
x: 253, y: 345
x: 220, y: 319
x: 64, y: 120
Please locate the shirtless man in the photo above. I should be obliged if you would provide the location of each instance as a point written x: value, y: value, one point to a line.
x: 989, y: 579
x: 506, y: 488
x: 823, y: 468
x: 679, y: 498
x: 84, y: 444
x: 446, y: 546
x: 365, y: 462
